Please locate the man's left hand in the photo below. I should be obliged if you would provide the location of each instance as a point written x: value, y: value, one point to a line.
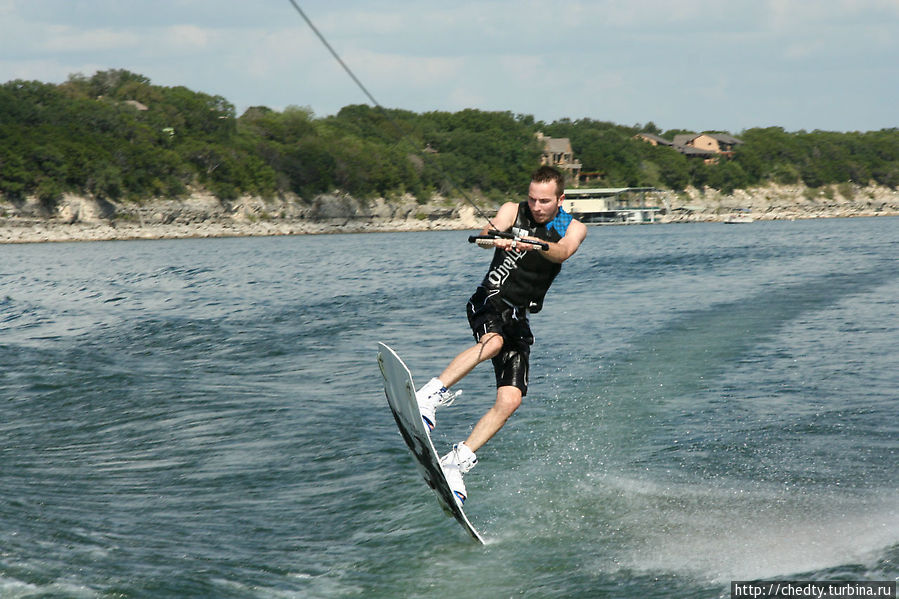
x: 524, y: 244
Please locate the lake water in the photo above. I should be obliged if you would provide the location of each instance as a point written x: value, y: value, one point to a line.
x: 205, y: 418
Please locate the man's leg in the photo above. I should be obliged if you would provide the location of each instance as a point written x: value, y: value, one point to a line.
x: 508, y: 399
x: 462, y: 458
x: 489, y: 345
x: 435, y: 393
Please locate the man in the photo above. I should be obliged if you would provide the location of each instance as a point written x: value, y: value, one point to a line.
x: 515, y: 285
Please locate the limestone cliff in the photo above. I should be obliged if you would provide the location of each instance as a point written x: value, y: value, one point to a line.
x: 203, y: 215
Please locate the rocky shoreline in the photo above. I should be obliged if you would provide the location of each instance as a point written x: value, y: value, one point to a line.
x: 201, y: 215
x: 781, y: 202
x: 77, y: 218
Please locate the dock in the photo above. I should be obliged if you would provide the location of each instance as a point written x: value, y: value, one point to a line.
x: 608, y: 205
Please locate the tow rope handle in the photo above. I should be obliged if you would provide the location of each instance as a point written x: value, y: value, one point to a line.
x: 494, y: 234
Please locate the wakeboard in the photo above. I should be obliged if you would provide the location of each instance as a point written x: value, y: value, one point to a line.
x: 400, y: 391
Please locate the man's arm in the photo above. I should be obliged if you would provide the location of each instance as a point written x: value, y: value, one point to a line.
x: 504, y: 219
x: 559, y: 251
x: 565, y: 248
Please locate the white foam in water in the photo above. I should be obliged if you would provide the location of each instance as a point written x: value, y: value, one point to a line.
x: 725, y: 535
x: 13, y: 589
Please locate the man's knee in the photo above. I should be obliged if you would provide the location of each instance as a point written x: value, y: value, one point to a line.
x: 491, y: 344
x: 508, y: 399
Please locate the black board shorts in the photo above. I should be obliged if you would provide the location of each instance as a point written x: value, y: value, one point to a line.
x: 492, y: 315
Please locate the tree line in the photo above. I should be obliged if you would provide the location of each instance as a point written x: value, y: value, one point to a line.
x: 115, y: 135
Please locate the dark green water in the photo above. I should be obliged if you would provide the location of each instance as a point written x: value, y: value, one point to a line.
x: 204, y: 418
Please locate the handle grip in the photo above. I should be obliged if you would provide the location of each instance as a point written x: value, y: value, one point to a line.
x: 499, y: 235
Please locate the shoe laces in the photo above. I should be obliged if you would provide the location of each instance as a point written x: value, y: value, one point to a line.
x: 463, y: 463
x: 447, y: 397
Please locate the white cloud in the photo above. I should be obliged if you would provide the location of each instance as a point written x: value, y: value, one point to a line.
x: 62, y: 39
x: 397, y: 70
x: 269, y: 53
x: 189, y: 37
x: 609, y: 60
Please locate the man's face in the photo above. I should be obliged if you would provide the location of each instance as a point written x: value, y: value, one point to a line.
x: 543, y: 202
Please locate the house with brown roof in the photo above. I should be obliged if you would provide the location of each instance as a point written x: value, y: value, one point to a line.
x: 707, y: 146
x: 557, y: 152
x: 654, y: 139
x: 713, y: 143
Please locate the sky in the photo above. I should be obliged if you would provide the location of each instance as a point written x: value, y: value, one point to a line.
x: 699, y: 65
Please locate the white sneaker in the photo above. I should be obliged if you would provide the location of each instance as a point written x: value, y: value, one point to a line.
x: 456, y: 463
x: 430, y: 396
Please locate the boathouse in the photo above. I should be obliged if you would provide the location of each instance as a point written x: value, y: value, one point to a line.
x: 610, y: 205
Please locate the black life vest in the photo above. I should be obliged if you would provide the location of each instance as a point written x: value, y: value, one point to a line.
x: 520, y: 278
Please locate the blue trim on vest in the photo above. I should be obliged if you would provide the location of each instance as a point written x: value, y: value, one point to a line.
x: 560, y: 223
